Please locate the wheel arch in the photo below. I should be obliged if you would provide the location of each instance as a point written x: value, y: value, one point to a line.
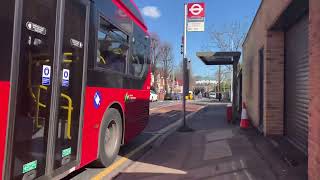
x: 115, y: 105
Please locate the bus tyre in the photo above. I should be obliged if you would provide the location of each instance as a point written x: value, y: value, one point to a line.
x: 110, y: 137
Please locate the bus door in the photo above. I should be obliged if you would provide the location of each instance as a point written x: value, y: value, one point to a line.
x: 69, y: 109
x: 50, y: 82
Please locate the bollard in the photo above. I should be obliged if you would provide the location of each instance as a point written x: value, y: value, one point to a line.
x: 229, y: 112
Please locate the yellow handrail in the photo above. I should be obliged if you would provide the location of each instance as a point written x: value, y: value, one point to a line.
x: 103, y: 60
x: 69, y: 108
x: 65, y: 60
x: 37, y: 96
x: 67, y: 53
x: 39, y: 104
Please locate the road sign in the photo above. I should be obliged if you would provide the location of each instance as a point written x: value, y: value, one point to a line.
x: 46, y: 75
x: 195, y: 15
x: 195, y: 26
x: 65, y: 77
x: 196, y: 10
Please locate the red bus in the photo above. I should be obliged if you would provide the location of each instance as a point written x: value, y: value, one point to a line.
x: 74, y: 84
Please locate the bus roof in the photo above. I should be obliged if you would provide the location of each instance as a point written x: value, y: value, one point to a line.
x: 127, y: 6
x: 134, y: 8
x: 130, y: 8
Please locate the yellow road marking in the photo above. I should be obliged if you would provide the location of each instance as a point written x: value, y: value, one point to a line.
x: 122, y: 160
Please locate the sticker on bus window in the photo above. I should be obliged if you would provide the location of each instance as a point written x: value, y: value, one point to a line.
x: 36, y: 28
x: 29, y: 166
x: 46, y: 75
x: 66, y: 152
x: 76, y: 43
x: 97, y: 100
x: 65, y: 77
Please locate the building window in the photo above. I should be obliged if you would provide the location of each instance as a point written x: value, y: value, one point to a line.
x: 112, y: 47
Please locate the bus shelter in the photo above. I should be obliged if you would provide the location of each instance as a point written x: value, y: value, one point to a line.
x: 226, y: 58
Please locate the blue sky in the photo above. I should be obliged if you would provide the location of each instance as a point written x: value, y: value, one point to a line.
x: 165, y: 17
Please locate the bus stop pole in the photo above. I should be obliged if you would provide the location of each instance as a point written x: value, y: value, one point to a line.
x: 184, y: 66
x: 185, y: 127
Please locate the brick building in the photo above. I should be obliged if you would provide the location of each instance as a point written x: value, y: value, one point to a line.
x: 158, y: 84
x: 281, y: 74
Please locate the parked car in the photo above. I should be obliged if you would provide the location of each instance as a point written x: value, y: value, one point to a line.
x: 189, y: 96
x: 153, y: 96
x: 212, y: 95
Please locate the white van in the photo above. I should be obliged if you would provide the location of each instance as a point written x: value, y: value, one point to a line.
x: 212, y: 95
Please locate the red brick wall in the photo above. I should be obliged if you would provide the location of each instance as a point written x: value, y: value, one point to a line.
x: 314, y: 107
x: 258, y: 37
x: 274, y: 83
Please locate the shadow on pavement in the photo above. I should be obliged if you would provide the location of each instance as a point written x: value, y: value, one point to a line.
x: 215, y: 150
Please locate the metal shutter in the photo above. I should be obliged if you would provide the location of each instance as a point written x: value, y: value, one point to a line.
x: 296, y: 84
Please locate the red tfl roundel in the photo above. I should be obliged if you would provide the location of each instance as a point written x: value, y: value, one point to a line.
x: 195, y: 10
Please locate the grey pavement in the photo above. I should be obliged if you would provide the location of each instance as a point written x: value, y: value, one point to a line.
x: 158, y: 104
x: 215, y: 150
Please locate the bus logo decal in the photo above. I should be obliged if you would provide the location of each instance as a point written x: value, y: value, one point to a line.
x: 46, y: 73
x: 126, y: 97
x: 97, y: 100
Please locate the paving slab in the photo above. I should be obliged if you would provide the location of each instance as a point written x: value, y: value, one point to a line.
x: 239, y: 175
x: 216, y: 150
x: 219, y: 135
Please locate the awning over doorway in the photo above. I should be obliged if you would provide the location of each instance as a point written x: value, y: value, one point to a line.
x: 219, y: 58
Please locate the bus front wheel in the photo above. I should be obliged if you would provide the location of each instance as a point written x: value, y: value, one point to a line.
x: 110, y: 137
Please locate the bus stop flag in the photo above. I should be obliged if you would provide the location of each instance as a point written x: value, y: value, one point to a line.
x: 195, y: 16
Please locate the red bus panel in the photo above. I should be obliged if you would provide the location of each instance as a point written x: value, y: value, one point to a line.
x: 4, y: 96
x: 92, y: 119
x: 135, y: 116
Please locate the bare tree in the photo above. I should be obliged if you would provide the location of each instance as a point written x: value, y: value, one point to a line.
x: 166, y: 62
x: 178, y: 72
x: 192, y: 79
x: 155, y: 55
x: 229, y: 38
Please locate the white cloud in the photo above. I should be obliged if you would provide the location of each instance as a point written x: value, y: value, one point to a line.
x: 151, y: 11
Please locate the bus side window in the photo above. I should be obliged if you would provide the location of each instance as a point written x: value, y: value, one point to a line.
x: 148, y: 53
x: 112, y: 47
x: 137, y: 59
